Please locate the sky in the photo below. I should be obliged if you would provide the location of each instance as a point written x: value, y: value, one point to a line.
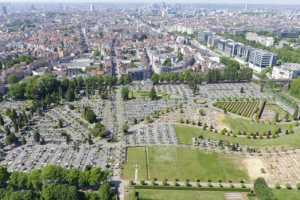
x: 169, y: 1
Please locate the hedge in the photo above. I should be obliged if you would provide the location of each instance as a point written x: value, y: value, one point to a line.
x: 151, y: 187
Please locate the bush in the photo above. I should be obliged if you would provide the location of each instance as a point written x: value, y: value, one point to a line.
x: 262, y: 190
x: 298, y: 186
x: 143, y: 182
x: 278, y: 186
x: 288, y: 186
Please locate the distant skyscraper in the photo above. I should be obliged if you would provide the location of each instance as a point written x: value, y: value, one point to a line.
x: 246, y: 5
x: 4, y: 10
x: 32, y: 8
x: 92, y: 8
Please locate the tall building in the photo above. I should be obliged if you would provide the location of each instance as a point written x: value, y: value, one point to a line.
x: 4, y: 10
x: 203, y: 37
x: 92, y: 8
x: 259, y: 59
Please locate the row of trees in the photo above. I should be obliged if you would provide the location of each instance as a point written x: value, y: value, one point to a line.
x: 17, y: 60
x: 232, y: 72
x: 55, y: 183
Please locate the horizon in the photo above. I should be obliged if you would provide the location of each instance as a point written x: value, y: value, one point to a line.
x: 215, y: 2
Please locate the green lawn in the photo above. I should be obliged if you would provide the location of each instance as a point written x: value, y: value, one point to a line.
x: 145, y: 95
x: 277, y: 109
x: 284, y: 194
x: 237, y: 124
x: 183, y: 163
x: 186, y: 133
x: 176, y: 195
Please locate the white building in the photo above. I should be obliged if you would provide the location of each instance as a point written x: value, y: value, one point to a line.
x: 286, y: 71
x: 266, y: 41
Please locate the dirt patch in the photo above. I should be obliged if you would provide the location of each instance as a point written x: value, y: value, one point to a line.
x: 220, y: 121
x: 255, y: 168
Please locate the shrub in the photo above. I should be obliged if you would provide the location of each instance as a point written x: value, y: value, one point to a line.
x: 277, y: 186
x: 165, y: 182
x: 262, y: 190
x: 288, y: 186
x: 143, y: 182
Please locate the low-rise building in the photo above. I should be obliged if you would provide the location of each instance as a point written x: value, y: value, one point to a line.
x: 286, y: 71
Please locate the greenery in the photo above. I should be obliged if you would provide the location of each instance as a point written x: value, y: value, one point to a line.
x: 244, y: 107
x: 55, y: 183
x: 125, y: 93
x: 99, y: 131
x: 186, y: 164
x: 283, y: 194
x: 175, y: 195
x: 186, y: 133
x: 295, y: 88
x: 44, y: 90
x: 89, y: 115
x: 262, y: 191
x: 232, y: 72
x: 10, y: 62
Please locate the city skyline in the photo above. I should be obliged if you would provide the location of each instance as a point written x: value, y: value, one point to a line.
x: 275, y: 2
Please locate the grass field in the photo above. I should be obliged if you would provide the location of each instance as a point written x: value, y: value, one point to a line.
x: 176, y: 195
x: 239, y: 124
x: 186, y: 133
x: 145, y: 95
x: 277, y: 109
x: 284, y: 194
x: 182, y: 163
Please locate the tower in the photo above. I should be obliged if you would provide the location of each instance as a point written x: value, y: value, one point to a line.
x: 246, y: 5
x: 92, y: 8
x: 4, y: 10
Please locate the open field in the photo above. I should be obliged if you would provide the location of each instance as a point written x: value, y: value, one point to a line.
x: 145, y: 95
x: 284, y: 194
x: 270, y: 111
x: 186, y: 133
x: 176, y: 195
x: 182, y: 163
x: 237, y: 124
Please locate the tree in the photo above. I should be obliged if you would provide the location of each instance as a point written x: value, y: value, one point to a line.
x: 104, y: 191
x: 17, y: 91
x: 10, y: 139
x: 12, y: 79
x: 125, y: 93
x: 96, y: 176
x: 1, y: 120
x: 155, y: 79
x: 125, y: 128
x: 34, y: 180
x: 262, y: 190
x: 70, y: 96
x: 36, y: 136
x: 276, y: 117
x: 52, y: 174
x: 99, y: 131
x: 60, y: 123
x: 152, y: 94
x: 296, y: 113
x: 89, y: 115
x: 18, y: 181
x: 4, y: 176
x: 72, y: 177
x: 242, y: 90
x: 59, y: 192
